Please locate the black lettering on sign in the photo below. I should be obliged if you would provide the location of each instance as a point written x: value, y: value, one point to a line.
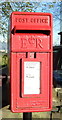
x: 21, y: 20
x: 31, y: 20
x: 46, y: 20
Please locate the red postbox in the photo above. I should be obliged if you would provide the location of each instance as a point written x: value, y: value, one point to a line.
x: 31, y: 61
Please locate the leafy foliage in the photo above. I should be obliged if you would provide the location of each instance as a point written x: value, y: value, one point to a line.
x: 4, y: 59
x: 8, y: 8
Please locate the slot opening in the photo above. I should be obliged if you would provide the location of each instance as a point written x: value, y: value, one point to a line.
x: 47, y: 32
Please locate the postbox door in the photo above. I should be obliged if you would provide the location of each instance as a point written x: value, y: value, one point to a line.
x: 24, y: 95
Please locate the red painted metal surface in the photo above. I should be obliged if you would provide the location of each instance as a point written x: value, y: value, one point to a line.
x: 31, y: 43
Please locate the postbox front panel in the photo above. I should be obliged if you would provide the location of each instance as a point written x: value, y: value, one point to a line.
x: 31, y: 62
x: 31, y: 88
x: 31, y: 32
